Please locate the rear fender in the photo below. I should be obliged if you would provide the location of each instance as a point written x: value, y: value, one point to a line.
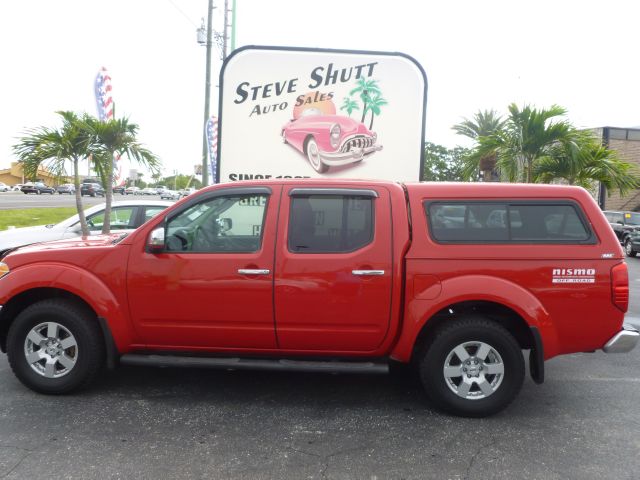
x: 467, y: 288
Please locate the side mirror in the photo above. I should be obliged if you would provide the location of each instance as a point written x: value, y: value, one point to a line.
x: 155, y: 242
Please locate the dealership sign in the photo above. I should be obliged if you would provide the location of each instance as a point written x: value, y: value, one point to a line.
x: 298, y: 113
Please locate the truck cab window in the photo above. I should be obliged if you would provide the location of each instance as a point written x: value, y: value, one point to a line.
x: 222, y: 224
x: 330, y: 223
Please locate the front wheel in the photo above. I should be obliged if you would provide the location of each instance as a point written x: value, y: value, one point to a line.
x: 313, y: 154
x: 55, y: 347
x: 628, y: 248
x: 472, y: 367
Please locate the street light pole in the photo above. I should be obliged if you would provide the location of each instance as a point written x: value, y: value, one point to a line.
x: 207, y: 94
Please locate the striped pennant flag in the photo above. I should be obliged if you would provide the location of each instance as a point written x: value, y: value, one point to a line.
x: 212, y: 140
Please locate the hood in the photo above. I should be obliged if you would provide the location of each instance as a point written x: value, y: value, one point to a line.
x: 74, y: 243
x: 63, y: 250
x: 24, y: 236
x: 348, y: 125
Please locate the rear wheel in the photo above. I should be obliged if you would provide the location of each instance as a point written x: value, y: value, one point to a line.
x: 472, y: 367
x: 54, y: 346
x: 628, y: 248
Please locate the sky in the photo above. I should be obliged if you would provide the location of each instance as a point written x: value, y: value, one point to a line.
x: 477, y: 55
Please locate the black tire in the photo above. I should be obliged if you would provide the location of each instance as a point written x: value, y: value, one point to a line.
x: 470, y: 333
x: 628, y: 248
x: 89, y: 349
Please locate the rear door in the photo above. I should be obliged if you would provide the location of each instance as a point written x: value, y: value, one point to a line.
x: 333, y: 269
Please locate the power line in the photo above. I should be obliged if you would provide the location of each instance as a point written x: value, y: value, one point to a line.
x: 183, y: 14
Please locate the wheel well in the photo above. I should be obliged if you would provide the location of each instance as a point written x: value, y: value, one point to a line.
x: 18, y: 303
x: 495, y: 312
x: 306, y: 142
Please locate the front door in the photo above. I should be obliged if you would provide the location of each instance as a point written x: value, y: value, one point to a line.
x: 212, y: 286
x: 333, y: 269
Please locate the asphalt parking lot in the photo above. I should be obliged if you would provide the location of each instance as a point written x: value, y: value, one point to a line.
x: 582, y: 423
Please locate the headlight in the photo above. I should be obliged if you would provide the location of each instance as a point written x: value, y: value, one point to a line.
x: 335, y: 135
x: 4, y: 269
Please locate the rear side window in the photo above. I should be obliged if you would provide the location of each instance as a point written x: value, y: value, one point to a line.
x: 488, y: 222
x: 330, y: 223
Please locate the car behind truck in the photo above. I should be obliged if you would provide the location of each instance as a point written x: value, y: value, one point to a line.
x: 454, y: 280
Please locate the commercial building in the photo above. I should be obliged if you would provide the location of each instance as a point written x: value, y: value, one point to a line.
x: 625, y: 141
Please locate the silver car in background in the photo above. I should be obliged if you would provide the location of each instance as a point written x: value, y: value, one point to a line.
x: 125, y: 216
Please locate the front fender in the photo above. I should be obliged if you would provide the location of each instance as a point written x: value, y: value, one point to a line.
x: 418, y: 311
x: 78, y: 282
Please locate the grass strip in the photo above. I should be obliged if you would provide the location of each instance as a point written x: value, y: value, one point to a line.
x: 34, y: 216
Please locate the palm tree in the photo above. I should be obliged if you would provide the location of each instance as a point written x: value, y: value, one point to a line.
x: 375, y: 102
x: 110, y: 139
x: 528, y: 135
x: 365, y: 88
x: 584, y: 162
x: 53, y: 149
x: 349, y: 105
x: 483, y: 124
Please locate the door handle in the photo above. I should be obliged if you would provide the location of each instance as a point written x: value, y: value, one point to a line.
x: 253, y: 271
x: 367, y: 272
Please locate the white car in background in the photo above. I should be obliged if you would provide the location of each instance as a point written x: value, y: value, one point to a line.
x: 170, y: 195
x: 4, y: 187
x: 125, y: 217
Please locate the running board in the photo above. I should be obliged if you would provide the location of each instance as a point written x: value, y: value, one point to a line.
x: 254, y: 364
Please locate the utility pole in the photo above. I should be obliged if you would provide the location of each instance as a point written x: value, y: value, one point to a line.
x: 207, y: 94
x: 233, y: 25
x: 225, y: 33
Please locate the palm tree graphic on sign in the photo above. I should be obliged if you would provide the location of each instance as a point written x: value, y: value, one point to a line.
x: 349, y: 105
x: 371, y: 97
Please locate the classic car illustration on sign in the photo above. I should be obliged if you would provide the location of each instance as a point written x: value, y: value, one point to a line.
x: 289, y: 112
x: 329, y: 140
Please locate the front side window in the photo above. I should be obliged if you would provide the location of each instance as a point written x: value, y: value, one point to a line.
x: 487, y: 222
x: 330, y: 223
x: 230, y: 223
x: 120, y: 219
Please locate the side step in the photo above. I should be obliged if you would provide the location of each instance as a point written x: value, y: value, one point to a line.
x: 254, y: 364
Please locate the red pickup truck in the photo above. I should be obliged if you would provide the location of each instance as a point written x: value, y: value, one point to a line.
x: 455, y: 280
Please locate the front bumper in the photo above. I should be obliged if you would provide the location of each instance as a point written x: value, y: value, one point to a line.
x: 624, y: 341
x: 344, y: 158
